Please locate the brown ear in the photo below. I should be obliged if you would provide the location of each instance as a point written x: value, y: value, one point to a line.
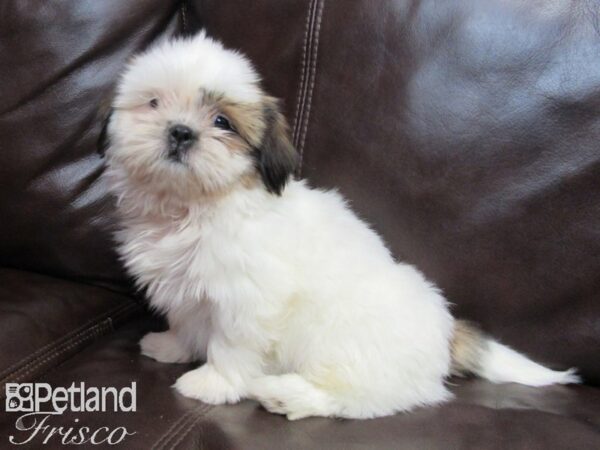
x: 104, y: 114
x: 276, y: 157
x: 103, y: 140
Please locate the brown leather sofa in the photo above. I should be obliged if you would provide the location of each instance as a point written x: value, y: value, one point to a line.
x: 466, y: 131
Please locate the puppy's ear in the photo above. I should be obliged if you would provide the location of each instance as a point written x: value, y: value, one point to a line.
x: 103, y: 140
x: 104, y: 114
x: 276, y: 157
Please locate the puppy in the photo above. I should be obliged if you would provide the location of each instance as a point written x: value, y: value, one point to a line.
x: 288, y: 296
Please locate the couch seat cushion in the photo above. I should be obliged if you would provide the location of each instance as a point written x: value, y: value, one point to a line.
x: 482, y: 415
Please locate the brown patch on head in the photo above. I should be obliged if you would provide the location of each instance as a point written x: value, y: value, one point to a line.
x: 247, y: 119
x: 266, y: 131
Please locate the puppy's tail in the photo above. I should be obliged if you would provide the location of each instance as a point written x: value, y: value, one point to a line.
x: 475, y: 353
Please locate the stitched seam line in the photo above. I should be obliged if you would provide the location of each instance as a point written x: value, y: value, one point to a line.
x: 303, y: 70
x: 191, y: 426
x: 30, y: 359
x: 54, y: 346
x: 313, y: 77
x: 160, y: 443
x: 95, y: 331
x: 73, y: 334
x: 185, y: 421
x: 184, y: 24
x: 309, y: 47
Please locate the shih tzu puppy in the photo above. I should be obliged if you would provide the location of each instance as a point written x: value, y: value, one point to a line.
x: 288, y: 297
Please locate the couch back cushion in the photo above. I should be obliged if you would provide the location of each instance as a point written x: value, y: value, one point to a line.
x: 466, y: 132
x: 59, y: 61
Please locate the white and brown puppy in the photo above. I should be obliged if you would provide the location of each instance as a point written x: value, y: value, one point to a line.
x: 288, y: 296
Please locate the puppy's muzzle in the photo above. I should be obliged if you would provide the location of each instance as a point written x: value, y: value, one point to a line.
x: 181, y: 138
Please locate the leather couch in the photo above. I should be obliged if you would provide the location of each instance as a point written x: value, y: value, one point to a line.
x: 466, y: 131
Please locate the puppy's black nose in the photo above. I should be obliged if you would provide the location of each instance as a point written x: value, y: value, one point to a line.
x: 181, y: 138
x: 181, y: 134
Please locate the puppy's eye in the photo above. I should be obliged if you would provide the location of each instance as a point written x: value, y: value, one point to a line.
x: 154, y: 103
x: 222, y: 123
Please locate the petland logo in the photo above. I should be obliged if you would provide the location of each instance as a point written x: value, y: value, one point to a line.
x: 40, y: 401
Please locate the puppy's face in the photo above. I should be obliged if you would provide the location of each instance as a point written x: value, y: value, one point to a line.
x: 190, y: 119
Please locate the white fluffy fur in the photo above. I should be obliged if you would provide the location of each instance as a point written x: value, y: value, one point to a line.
x: 292, y: 299
x: 189, y: 64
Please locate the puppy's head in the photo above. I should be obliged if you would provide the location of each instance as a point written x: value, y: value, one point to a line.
x: 189, y: 118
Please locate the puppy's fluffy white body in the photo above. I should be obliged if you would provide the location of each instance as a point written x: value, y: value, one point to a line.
x: 296, y: 285
x: 290, y: 299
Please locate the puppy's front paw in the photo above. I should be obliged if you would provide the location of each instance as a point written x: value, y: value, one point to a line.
x: 206, y: 384
x: 164, y: 347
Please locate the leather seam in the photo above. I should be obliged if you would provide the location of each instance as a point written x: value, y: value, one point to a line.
x: 313, y: 77
x: 183, y: 11
x: 95, y: 331
x: 58, y: 342
x: 52, y: 347
x: 186, y: 422
x: 307, y: 78
x: 303, y: 66
x: 201, y: 413
x: 175, y: 426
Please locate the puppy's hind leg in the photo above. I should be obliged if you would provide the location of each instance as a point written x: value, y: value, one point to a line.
x: 165, y: 347
x: 293, y: 396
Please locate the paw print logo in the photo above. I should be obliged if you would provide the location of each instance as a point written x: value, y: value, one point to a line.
x: 19, y: 397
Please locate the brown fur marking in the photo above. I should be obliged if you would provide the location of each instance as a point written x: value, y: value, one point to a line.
x: 466, y: 349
